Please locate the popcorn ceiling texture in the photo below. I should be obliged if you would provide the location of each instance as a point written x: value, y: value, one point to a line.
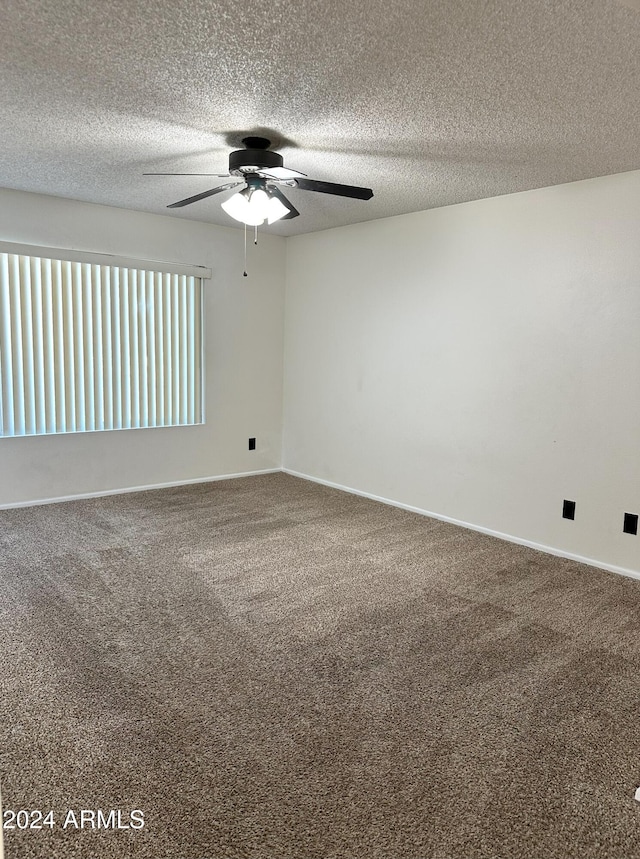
x: 427, y: 103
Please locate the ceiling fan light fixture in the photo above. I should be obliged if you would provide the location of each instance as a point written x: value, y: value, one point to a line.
x: 252, y: 206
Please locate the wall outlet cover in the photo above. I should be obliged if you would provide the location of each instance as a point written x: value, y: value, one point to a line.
x: 630, y: 525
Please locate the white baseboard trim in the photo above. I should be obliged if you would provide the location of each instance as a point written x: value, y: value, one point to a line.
x: 549, y: 550
x: 125, y: 490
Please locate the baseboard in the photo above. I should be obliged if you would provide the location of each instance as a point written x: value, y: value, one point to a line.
x: 549, y: 550
x: 149, y: 487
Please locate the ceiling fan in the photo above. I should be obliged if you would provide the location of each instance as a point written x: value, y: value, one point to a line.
x: 261, y: 172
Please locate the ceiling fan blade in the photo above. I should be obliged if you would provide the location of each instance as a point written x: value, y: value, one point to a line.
x: 293, y: 212
x: 280, y: 173
x: 203, y: 195
x: 334, y: 188
x: 220, y: 175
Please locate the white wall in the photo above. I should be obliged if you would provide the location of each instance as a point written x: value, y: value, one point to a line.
x: 243, y: 336
x: 480, y: 361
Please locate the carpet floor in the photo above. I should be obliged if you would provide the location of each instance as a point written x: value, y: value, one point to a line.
x: 272, y: 669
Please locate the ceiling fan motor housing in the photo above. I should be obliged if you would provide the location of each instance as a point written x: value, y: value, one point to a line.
x: 244, y: 161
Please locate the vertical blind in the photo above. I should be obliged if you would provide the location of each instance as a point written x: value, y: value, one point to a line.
x: 87, y: 347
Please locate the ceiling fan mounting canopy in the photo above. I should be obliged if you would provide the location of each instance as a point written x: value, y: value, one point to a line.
x: 253, y: 142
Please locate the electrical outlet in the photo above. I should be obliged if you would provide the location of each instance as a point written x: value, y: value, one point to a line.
x: 252, y: 444
x: 568, y: 509
x: 630, y: 523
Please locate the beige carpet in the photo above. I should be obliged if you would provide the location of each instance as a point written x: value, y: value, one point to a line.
x: 272, y: 669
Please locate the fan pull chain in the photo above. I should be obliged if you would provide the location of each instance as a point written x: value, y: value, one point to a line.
x: 244, y: 273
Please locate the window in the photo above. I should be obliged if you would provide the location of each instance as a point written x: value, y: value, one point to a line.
x: 88, y: 346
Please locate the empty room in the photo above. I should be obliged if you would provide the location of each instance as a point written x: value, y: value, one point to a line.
x: 319, y: 430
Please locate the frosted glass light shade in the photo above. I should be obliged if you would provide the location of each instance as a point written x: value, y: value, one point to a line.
x: 276, y: 210
x: 259, y: 204
x: 238, y: 207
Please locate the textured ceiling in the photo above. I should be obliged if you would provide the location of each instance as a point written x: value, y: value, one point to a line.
x: 428, y: 103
